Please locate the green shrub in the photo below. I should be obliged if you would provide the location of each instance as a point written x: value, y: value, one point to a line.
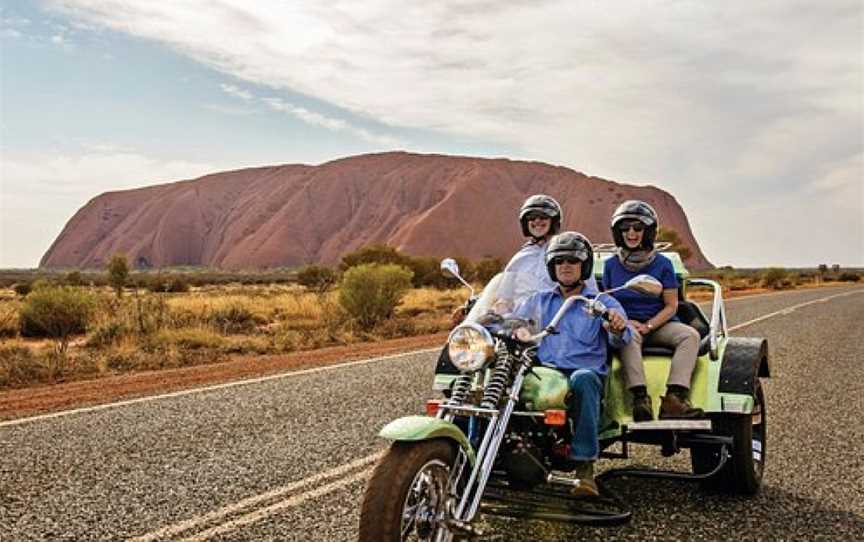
x: 108, y: 334
x: 234, y: 319
x: 8, y: 320
x: 58, y: 312
x: 370, y: 292
x: 172, y: 284
x: 373, y: 254
x: 776, y: 278
x: 23, y: 288
x: 426, y: 271
x: 487, y: 268
x: 316, y: 277
x: 848, y: 276
x: 74, y: 278
x: 19, y: 367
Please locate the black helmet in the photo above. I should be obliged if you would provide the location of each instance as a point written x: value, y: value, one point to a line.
x: 573, y: 245
x: 543, y: 204
x: 636, y: 210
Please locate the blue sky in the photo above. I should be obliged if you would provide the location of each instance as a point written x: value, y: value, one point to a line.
x: 758, y: 132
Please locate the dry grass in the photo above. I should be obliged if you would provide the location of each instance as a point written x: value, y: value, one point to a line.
x: 146, y: 331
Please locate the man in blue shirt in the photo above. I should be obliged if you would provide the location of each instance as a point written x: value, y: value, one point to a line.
x: 580, y: 348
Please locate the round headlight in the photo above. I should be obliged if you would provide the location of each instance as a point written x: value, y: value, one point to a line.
x: 470, y: 347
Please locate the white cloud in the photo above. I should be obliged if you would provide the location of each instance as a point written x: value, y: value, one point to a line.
x: 309, y: 117
x: 236, y: 92
x: 57, y: 39
x: 720, y: 103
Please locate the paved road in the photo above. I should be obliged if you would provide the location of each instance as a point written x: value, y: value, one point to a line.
x: 287, y: 458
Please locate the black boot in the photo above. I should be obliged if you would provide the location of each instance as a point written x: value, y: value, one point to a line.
x: 642, y: 409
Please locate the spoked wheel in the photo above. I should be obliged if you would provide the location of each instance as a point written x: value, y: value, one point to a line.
x: 407, y: 495
x: 743, y: 472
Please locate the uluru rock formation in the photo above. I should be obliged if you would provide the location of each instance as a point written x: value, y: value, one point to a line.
x: 290, y: 215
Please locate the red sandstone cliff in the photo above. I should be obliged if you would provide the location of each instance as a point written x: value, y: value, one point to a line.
x: 295, y: 214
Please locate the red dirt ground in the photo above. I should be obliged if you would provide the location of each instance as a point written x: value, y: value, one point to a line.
x: 54, y: 397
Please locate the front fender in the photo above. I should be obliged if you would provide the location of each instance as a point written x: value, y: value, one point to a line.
x: 417, y: 428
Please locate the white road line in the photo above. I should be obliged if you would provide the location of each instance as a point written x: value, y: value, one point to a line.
x: 239, y: 506
x: 211, y: 388
x: 263, y: 513
x: 793, y: 308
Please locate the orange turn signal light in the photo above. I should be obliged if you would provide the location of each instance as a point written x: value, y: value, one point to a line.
x: 432, y: 407
x: 555, y: 417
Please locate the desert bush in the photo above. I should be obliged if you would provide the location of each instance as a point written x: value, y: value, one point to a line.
x: 776, y: 278
x: 373, y: 254
x: 371, y: 292
x: 8, y: 320
x: 316, y: 277
x: 118, y: 272
x: 22, y: 288
x: 486, y: 268
x: 58, y: 312
x: 167, y: 283
x: 73, y: 278
x: 108, y: 334
x: 150, y: 314
x: 848, y: 276
x: 234, y: 318
x: 19, y: 367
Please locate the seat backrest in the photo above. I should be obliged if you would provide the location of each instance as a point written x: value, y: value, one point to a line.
x: 689, y: 313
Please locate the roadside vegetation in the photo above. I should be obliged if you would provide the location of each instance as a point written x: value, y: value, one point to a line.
x: 84, y: 324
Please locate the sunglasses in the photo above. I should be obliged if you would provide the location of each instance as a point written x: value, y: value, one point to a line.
x: 530, y: 218
x: 635, y: 226
x: 566, y: 259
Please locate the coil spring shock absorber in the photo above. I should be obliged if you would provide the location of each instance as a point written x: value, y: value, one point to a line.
x: 460, y: 390
x: 498, y: 378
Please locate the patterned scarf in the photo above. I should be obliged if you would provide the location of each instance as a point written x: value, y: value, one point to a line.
x: 635, y: 260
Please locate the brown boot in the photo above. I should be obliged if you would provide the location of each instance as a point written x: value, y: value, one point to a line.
x: 677, y: 405
x: 587, y: 487
x: 642, y: 409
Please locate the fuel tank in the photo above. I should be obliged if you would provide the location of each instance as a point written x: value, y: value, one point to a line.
x: 544, y: 388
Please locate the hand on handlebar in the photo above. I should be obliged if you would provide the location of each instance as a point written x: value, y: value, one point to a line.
x: 615, y: 322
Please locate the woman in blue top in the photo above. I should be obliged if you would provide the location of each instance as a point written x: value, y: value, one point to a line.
x: 634, y: 228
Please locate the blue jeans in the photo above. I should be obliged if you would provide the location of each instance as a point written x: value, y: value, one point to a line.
x: 587, y: 389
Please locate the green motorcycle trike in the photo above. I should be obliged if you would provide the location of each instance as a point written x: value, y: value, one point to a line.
x: 494, y: 442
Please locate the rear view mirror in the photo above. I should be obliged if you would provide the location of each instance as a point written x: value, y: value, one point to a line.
x: 450, y: 268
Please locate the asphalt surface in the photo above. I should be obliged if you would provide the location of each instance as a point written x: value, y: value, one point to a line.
x: 273, y: 460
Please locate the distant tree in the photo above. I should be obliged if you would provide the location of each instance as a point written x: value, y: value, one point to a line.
x: 118, y: 272
x: 317, y: 278
x: 671, y: 236
x: 74, y: 278
x: 486, y: 268
x: 376, y: 254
